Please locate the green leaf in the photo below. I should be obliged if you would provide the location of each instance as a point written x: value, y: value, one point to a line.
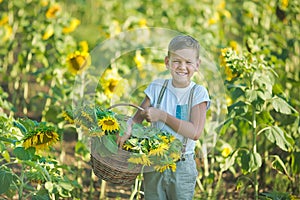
x: 6, y: 156
x: 21, y: 127
x: 278, y: 164
x: 281, y: 106
x: 251, y: 95
x: 229, y: 161
x: 295, y: 162
x: 98, y: 147
x: 40, y: 197
x: 250, y: 161
x: 239, y: 108
x: 276, y: 195
x: 237, y: 91
x: 264, y: 117
x: 6, y: 179
x: 81, y: 148
x: 110, y: 143
x: 66, y: 185
x: 264, y: 95
x: 221, y: 129
x: 275, y: 135
x: 138, y: 131
x: 245, y: 159
x: 255, y: 161
x: 9, y: 140
x: 24, y: 154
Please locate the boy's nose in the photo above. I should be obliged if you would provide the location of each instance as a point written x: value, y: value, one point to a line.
x: 182, y: 65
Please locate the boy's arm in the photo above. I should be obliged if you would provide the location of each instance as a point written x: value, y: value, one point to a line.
x: 191, y: 129
x: 137, y: 118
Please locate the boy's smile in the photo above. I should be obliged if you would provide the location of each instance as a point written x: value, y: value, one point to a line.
x: 182, y: 65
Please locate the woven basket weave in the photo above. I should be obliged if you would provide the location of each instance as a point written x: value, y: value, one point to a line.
x: 115, y: 168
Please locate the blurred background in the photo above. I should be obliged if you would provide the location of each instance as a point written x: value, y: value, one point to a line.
x: 250, y: 148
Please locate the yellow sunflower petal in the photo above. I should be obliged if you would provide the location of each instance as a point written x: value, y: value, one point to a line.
x: 41, y: 137
x: 109, y: 124
x: 35, y: 139
x: 160, y: 150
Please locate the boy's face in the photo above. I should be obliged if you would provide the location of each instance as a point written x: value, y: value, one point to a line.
x: 182, y: 64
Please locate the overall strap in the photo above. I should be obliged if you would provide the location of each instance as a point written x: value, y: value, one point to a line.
x: 161, y: 94
x: 189, y: 118
x: 162, y: 91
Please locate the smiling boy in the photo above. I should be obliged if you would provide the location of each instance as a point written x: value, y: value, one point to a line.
x: 180, y: 110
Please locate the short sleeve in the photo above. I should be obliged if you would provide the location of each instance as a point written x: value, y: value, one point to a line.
x: 201, y: 95
x: 153, y: 89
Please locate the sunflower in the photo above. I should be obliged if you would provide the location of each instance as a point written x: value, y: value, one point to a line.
x: 175, y: 156
x: 143, y: 23
x: 48, y: 33
x: 78, y: 62
x: 52, y: 11
x: 234, y: 45
x: 5, y: 32
x: 112, y: 83
x: 44, y: 3
x: 109, y: 124
x: 164, y: 138
x: 160, y: 150
x: 4, y: 20
x: 110, y: 86
x: 68, y: 116
x: 229, y: 73
x: 73, y: 25
x: 226, y: 150
x: 225, y: 55
x: 84, y: 46
x: 142, y: 159
x: 42, y: 139
x: 161, y: 168
x: 127, y: 146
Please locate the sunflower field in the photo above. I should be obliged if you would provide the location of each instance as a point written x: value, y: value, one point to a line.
x: 64, y: 63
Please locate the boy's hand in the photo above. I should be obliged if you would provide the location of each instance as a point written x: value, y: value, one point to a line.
x: 127, y: 134
x: 152, y: 114
x: 122, y: 139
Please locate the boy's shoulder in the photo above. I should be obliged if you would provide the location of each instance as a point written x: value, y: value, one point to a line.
x: 199, y: 87
x: 158, y: 82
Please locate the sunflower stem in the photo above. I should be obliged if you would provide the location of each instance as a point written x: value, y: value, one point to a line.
x: 20, y: 191
x: 102, y: 191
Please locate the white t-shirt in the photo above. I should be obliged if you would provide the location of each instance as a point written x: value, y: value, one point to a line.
x: 175, y: 102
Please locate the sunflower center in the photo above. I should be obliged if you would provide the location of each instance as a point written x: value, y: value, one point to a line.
x: 78, y: 62
x: 112, y: 85
x: 109, y: 122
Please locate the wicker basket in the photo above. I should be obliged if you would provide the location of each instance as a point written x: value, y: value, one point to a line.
x: 115, y: 168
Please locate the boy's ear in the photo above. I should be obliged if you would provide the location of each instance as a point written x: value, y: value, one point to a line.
x: 198, y: 63
x: 167, y: 59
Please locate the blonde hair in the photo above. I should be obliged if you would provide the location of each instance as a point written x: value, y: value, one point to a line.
x: 184, y: 42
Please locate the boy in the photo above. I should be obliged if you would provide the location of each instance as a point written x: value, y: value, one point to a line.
x: 174, y: 116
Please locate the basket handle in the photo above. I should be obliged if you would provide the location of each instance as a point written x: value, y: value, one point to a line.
x: 126, y: 104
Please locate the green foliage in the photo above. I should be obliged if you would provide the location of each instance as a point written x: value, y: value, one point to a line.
x: 6, y: 179
x: 260, y: 133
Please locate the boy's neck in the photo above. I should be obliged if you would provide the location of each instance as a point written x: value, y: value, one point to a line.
x: 180, y: 85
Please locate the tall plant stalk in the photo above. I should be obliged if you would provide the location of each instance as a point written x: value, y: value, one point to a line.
x: 254, y: 143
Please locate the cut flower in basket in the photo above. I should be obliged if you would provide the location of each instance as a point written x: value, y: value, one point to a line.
x: 147, y: 146
x: 155, y: 148
x: 93, y: 121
